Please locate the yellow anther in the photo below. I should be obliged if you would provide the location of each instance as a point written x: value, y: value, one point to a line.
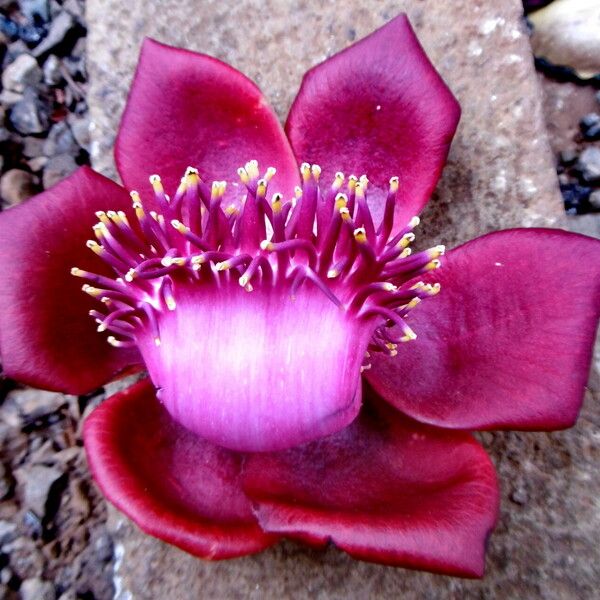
x: 344, y: 213
x: 276, y: 202
x: 232, y: 209
x: 95, y: 247
x: 170, y: 302
x: 298, y: 192
x: 414, y: 222
x: 316, y: 172
x: 364, y: 368
x: 413, y: 303
x: 394, y: 184
x: 418, y: 285
x: 243, y: 175
x: 406, y: 239
x: 130, y: 275
x: 341, y: 201
x: 405, y: 253
x: 252, y: 169
x: 332, y: 273
x: 179, y: 226
x: 305, y: 171
x: 248, y: 287
x: 243, y: 281
x: 434, y: 289
x: 112, y: 340
x: 92, y: 291
x: 191, y: 171
x: 101, y: 328
x: 391, y: 346
x: 198, y: 260
x: 156, y: 183
x: 223, y: 266
x: 434, y: 264
x: 389, y: 287
x: 338, y: 182
x: 134, y: 196
x: 182, y: 187
x: 352, y: 181
x: 103, y: 217
x: 261, y: 187
x: 157, y: 341
x: 266, y: 245
x: 78, y: 272
x: 270, y: 173
x: 436, y: 251
x: 364, y: 182
x: 360, y: 189
x: 409, y: 334
x: 360, y: 235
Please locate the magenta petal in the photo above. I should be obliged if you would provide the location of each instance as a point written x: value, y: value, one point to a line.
x: 507, y: 343
x: 379, y: 108
x: 385, y: 489
x: 47, y: 338
x: 188, y: 109
x: 174, y: 485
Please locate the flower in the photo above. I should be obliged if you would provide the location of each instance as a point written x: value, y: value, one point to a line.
x: 256, y: 317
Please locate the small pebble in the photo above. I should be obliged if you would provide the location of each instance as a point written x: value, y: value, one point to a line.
x: 51, y: 69
x: 33, y: 146
x: 588, y: 165
x: 36, y: 589
x: 57, y: 168
x: 36, y: 482
x: 30, y: 115
x: 17, y: 186
x: 575, y: 198
x: 595, y: 199
x: 8, y: 99
x: 60, y: 27
x: 568, y: 157
x: 22, y: 72
x: 60, y: 140
x: 519, y: 496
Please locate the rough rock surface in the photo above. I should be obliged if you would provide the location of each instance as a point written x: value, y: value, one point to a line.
x: 500, y: 174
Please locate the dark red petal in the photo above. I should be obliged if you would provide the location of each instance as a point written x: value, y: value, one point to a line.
x: 378, y: 108
x: 507, y: 343
x: 173, y: 484
x: 188, y: 109
x: 47, y: 338
x: 385, y: 489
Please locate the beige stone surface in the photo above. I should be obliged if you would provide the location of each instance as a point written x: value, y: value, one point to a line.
x: 500, y: 174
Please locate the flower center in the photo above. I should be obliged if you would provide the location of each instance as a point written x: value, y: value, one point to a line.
x: 255, y: 319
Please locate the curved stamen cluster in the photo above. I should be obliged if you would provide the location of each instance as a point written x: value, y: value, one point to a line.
x: 326, y: 239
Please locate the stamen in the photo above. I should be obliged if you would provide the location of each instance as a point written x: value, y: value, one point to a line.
x: 326, y: 240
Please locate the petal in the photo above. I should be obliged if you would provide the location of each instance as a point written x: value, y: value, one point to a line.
x: 379, y: 108
x: 47, y: 338
x: 385, y: 489
x: 173, y: 484
x: 187, y: 109
x: 507, y: 343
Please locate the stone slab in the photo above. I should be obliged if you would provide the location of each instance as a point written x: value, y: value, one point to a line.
x: 500, y: 174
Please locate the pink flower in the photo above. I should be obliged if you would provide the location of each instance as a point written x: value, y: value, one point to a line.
x: 255, y: 315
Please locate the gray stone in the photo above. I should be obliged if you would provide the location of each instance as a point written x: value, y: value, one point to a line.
x: 57, y: 168
x: 51, y: 69
x: 30, y: 115
x: 33, y: 8
x: 8, y: 99
x: 33, y: 146
x: 595, y: 199
x: 8, y: 532
x: 5, y: 482
x: 33, y: 404
x: 80, y: 126
x: 22, y: 72
x: 37, y: 164
x: 60, y: 140
x: 36, y: 589
x: 36, y: 482
x: 588, y: 164
x: 25, y: 559
x: 60, y: 26
x: 16, y: 186
x: 500, y: 174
